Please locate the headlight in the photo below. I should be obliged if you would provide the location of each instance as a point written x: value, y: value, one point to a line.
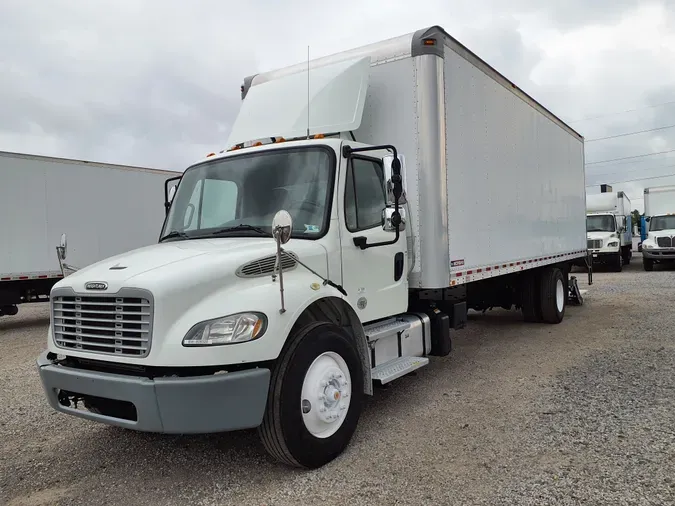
x: 612, y: 244
x: 236, y: 328
x: 646, y: 245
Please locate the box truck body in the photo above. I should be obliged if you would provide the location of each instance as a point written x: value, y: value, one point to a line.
x: 659, y: 245
x: 609, y: 226
x: 102, y: 209
x: 363, y: 205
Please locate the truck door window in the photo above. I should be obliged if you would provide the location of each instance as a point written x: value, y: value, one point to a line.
x: 364, y: 194
x: 215, y: 205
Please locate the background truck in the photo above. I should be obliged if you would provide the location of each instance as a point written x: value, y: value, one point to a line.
x: 365, y: 205
x: 609, y: 225
x: 659, y: 245
x: 102, y: 209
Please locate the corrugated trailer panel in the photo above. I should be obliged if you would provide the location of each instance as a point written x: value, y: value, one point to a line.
x: 515, y: 177
x: 103, y: 210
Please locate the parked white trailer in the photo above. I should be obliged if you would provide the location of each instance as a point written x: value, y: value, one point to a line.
x: 102, y: 209
x: 659, y: 245
x: 609, y: 225
x: 351, y: 226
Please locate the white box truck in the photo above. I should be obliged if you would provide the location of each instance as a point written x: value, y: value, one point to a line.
x: 46, y: 202
x: 659, y: 245
x: 609, y: 225
x: 362, y: 209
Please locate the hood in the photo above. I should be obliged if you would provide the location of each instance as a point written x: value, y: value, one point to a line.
x: 600, y: 236
x: 192, y: 261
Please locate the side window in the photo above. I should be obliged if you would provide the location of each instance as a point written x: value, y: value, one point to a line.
x: 364, y: 195
x: 190, y: 218
x: 219, y: 204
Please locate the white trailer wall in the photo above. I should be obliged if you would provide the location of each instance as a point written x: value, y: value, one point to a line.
x: 516, y: 188
x: 103, y: 209
x: 659, y: 200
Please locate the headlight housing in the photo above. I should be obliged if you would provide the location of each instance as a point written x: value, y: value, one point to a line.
x: 612, y: 244
x: 646, y: 245
x: 232, y: 329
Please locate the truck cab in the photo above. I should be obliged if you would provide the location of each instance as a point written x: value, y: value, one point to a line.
x: 659, y: 245
x: 609, y: 229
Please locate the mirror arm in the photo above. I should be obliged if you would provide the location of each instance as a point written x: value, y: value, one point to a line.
x: 361, y: 241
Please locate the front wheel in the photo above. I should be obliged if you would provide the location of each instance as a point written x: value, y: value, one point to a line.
x: 647, y: 264
x: 315, y: 397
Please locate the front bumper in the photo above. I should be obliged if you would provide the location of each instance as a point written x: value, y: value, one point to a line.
x: 658, y: 254
x: 604, y: 255
x: 175, y: 405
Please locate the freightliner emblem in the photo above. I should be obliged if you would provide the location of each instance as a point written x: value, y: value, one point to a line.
x: 96, y: 285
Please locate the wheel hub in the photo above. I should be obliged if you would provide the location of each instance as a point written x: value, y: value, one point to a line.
x: 327, y: 390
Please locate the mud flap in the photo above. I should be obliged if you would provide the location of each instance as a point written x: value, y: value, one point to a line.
x: 574, y: 296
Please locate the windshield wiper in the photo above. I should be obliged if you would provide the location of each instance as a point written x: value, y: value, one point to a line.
x: 243, y: 227
x: 174, y: 234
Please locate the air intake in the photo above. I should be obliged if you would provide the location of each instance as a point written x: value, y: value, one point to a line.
x: 265, y: 266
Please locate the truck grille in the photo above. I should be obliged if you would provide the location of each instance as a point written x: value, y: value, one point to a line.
x: 664, y: 242
x: 594, y: 244
x: 109, y: 324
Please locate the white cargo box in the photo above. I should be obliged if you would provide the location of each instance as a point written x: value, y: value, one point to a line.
x: 614, y: 203
x: 495, y: 181
x: 659, y: 200
x: 103, y: 209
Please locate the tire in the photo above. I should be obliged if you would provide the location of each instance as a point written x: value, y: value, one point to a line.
x: 617, y: 264
x: 530, y: 297
x: 648, y: 264
x: 626, y: 257
x: 553, y: 295
x: 323, y: 349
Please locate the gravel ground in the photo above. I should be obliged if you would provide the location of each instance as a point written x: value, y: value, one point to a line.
x: 578, y: 413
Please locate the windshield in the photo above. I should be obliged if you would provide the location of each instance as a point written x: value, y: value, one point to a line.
x: 657, y: 223
x: 600, y: 223
x: 249, y: 189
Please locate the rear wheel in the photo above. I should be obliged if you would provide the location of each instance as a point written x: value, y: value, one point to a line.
x: 530, y: 297
x: 315, y: 397
x: 553, y: 295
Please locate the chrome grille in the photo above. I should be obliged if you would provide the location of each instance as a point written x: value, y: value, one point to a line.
x: 594, y: 243
x: 115, y: 324
x: 265, y: 266
x: 664, y: 242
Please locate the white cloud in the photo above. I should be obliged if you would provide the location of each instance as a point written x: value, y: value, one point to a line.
x: 156, y: 83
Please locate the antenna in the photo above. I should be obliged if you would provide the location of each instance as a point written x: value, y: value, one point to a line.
x: 308, y: 94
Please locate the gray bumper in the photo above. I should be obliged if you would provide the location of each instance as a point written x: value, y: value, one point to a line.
x: 659, y: 254
x: 177, y: 405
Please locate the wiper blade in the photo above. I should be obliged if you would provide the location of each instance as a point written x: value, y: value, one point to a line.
x: 243, y: 227
x: 174, y: 234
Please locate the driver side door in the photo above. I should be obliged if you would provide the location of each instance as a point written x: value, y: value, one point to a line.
x: 375, y: 278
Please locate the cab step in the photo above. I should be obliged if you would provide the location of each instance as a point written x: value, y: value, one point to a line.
x: 396, y: 368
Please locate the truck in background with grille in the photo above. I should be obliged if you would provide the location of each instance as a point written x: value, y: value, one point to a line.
x: 659, y: 244
x: 53, y: 208
x: 364, y: 204
x: 609, y: 228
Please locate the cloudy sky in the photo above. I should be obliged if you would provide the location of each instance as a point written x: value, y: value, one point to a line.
x: 156, y: 82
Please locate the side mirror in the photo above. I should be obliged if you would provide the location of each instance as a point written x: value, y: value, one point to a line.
x: 282, y: 227
x: 388, y: 184
x: 387, y: 224
x: 168, y: 196
x: 63, y: 247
